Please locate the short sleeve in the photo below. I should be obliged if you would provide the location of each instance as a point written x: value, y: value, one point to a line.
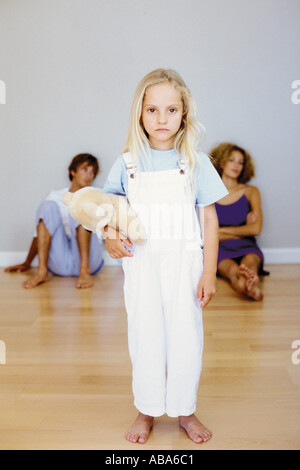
x: 209, y: 185
x: 115, y: 182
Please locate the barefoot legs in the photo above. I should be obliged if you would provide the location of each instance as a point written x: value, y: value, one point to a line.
x: 140, y: 430
x: 229, y: 269
x: 194, y: 429
x: 83, y: 239
x: 43, y: 246
x: 249, y: 267
x: 244, y: 278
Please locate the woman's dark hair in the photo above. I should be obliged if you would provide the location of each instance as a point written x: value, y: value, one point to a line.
x: 82, y: 158
x: 221, y: 153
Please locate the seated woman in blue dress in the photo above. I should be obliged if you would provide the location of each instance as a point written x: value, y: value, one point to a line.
x: 240, y: 260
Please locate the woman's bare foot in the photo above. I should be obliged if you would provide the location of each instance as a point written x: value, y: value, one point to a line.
x: 84, y: 280
x: 140, y: 430
x: 39, y: 278
x: 240, y: 284
x: 194, y: 429
x: 252, y: 289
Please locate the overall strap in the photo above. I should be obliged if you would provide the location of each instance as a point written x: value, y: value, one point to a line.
x: 131, y: 167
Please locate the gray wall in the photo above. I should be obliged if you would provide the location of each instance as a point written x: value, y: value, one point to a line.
x: 71, y: 68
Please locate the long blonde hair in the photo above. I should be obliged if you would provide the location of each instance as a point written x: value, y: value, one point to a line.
x: 190, y: 134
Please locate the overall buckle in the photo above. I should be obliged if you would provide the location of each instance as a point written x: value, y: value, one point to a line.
x: 131, y: 169
x: 182, y: 165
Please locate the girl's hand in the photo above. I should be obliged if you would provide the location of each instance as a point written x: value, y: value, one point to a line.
x: 206, y: 288
x: 114, y: 243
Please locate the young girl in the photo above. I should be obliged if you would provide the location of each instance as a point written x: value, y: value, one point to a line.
x: 164, y: 176
x: 240, y: 259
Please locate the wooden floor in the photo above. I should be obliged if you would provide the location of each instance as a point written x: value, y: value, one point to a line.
x: 66, y: 383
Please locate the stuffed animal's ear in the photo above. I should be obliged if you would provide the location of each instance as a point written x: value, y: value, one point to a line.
x: 67, y: 198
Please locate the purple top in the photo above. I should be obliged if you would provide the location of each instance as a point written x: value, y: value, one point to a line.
x: 235, y: 214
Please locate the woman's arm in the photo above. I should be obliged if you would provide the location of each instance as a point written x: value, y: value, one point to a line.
x: 223, y: 235
x: 253, y: 225
x: 209, y: 228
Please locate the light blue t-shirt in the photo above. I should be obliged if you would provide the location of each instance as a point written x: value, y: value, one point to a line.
x: 209, y: 186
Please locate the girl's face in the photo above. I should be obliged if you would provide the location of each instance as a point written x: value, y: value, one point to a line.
x: 234, y: 165
x: 162, y: 115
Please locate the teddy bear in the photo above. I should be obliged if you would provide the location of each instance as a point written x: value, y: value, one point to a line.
x: 95, y: 209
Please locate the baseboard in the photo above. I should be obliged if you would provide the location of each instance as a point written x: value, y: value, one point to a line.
x: 281, y: 255
x: 272, y: 256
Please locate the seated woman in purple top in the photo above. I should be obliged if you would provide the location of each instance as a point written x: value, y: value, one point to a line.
x: 240, y: 260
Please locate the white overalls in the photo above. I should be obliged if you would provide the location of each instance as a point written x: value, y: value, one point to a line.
x: 165, y: 332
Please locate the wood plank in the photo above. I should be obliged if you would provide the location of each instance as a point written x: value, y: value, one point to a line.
x: 66, y: 383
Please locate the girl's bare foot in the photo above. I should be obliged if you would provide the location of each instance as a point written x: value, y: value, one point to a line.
x: 84, y: 280
x: 252, y: 289
x: 194, y: 429
x: 38, y: 278
x: 140, y: 430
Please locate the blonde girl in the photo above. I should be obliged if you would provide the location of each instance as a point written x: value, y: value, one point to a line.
x: 172, y: 276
